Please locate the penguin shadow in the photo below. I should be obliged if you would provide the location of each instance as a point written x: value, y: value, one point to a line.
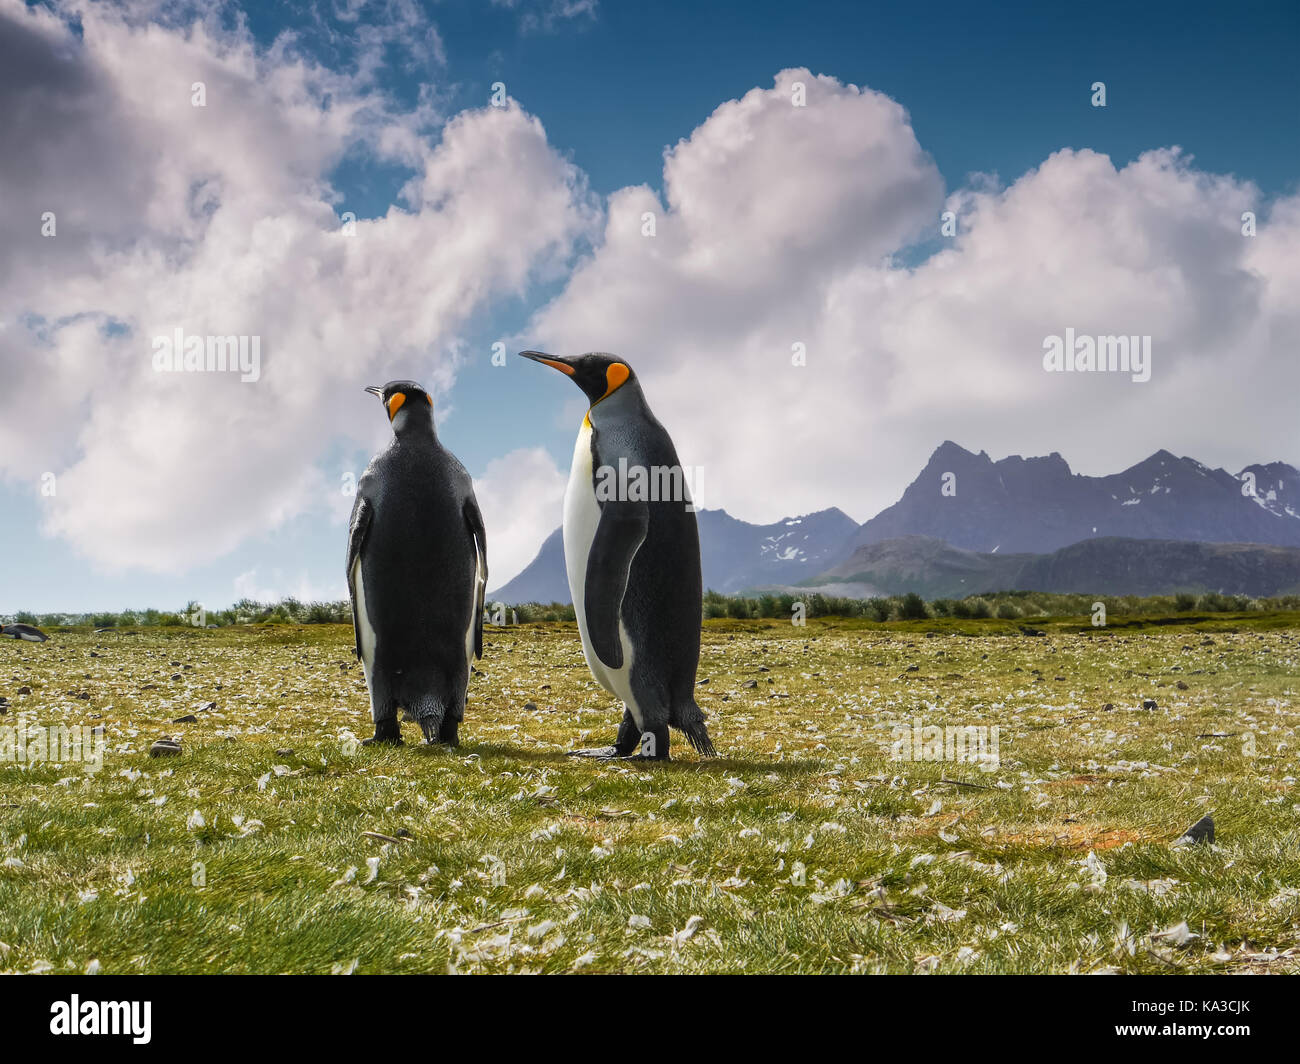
x: 515, y: 753
x: 713, y: 766
x: 723, y: 764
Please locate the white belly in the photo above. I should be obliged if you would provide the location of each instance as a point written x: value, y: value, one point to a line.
x: 581, y: 516
x: 365, y: 631
x: 473, y: 617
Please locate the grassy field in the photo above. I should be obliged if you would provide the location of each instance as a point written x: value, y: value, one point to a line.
x: 804, y: 848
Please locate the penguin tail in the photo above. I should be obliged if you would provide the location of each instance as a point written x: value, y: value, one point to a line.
x: 691, y: 724
x: 436, y: 706
x: 428, y: 712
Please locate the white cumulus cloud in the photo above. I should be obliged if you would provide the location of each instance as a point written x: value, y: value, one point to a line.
x: 520, y: 496
x: 784, y: 225
x: 221, y: 220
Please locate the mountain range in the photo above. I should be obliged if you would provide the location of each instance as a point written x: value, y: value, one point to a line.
x: 969, y: 524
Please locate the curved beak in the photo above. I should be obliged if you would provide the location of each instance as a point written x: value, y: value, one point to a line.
x: 375, y: 390
x: 562, y: 364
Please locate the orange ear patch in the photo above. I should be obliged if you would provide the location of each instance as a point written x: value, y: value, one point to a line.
x: 429, y: 397
x: 395, y: 404
x: 615, y: 377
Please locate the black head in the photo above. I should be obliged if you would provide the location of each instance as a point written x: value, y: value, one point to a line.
x: 408, y: 397
x: 597, y: 373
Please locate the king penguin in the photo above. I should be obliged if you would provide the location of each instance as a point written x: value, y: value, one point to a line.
x: 633, y: 561
x: 417, y: 567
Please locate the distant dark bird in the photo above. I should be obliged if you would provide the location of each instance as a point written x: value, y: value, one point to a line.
x: 417, y: 567
x: 1201, y: 831
x: 24, y: 631
x: 633, y: 561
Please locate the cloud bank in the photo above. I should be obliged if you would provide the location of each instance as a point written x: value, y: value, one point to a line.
x: 784, y: 225
x: 221, y: 220
x: 783, y: 322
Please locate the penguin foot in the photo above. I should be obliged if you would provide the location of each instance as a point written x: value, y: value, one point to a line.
x: 653, y: 746
x: 387, y: 733
x: 598, y: 753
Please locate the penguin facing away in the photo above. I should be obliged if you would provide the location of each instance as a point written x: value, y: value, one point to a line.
x: 416, y: 569
x: 633, y: 563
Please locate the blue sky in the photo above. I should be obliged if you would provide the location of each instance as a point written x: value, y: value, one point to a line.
x: 987, y: 91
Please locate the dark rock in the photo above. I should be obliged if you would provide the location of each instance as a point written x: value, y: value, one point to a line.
x: 1149, y: 703
x: 165, y: 747
x: 189, y: 718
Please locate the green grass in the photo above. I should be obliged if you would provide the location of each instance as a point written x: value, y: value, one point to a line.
x: 515, y: 858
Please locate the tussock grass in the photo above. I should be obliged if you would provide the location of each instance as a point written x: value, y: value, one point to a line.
x: 510, y: 857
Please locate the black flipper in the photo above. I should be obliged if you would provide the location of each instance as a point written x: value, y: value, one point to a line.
x: 474, y: 522
x: 362, y: 512
x: 619, y: 535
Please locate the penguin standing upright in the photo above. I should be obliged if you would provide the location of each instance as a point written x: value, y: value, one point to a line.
x: 633, y: 561
x: 417, y: 567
